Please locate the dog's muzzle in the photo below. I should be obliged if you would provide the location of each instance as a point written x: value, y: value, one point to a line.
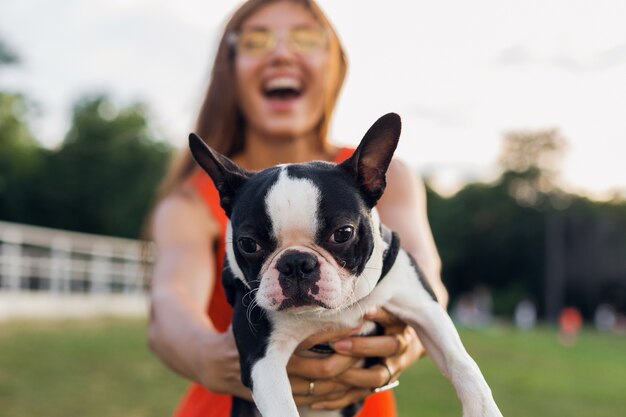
x: 299, y: 273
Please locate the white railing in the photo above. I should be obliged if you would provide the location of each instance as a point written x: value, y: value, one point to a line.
x: 38, y: 263
x: 57, y: 261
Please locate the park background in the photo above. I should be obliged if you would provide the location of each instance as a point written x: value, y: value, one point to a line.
x: 513, y: 113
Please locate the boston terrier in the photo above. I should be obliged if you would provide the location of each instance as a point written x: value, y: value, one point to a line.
x: 306, y: 252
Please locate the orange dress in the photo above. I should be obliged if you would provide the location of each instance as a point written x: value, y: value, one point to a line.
x: 200, y: 402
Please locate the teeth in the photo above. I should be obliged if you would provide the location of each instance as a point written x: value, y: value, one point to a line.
x: 283, y: 82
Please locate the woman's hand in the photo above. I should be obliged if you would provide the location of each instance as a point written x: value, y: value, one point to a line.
x: 338, y: 381
x: 303, y: 370
x: 219, y: 369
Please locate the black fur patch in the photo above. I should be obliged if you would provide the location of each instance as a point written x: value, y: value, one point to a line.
x: 391, y: 253
x: 249, y: 219
x: 422, y: 277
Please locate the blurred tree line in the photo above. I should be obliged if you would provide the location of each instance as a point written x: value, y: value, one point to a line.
x: 525, y: 238
x: 521, y: 236
x: 102, y: 177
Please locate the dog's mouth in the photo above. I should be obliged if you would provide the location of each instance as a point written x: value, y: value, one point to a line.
x: 300, y: 301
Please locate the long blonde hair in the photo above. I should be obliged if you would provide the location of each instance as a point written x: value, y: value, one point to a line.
x: 220, y: 122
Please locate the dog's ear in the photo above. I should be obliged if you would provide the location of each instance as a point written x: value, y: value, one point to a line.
x: 227, y: 176
x: 369, y: 163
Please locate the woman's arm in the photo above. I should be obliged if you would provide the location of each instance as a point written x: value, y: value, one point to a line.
x: 180, y: 332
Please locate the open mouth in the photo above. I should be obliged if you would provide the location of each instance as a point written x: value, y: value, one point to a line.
x: 283, y: 88
x: 301, y: 302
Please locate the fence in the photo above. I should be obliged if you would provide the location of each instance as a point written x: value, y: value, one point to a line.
x: 48, y: 271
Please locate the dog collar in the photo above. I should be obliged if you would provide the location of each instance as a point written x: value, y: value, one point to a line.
x: 391, y: 253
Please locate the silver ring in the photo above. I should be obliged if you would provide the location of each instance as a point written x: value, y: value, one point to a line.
x: 311, y: 388
x: 389, y: 385
x: 388, y: 371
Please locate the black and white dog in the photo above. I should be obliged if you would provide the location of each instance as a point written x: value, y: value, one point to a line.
x: 305, y: 252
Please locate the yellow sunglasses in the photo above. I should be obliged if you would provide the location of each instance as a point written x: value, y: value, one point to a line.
x: 258, y: 41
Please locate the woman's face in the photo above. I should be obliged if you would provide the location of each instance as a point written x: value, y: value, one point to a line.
x: 281, y: 87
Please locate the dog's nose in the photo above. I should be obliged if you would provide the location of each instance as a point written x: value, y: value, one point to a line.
x: 297, y: 264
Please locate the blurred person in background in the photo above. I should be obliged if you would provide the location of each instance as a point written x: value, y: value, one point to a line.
x: 276, y: 77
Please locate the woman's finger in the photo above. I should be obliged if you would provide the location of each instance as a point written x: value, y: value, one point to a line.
x: 320, y: 368
x: 370, y: 378
x: 371, y: 346
x: 321, y: 387
x: 350, y: 397
x: 310, y: 399
x: 325, y: 337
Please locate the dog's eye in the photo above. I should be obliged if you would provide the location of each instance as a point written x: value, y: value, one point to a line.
x: 248, y: 245
x: 343, y: 234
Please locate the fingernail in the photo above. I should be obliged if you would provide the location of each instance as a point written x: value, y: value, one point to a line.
x: 370, y: 311
x: 318, y: 406
x: 343, y: 344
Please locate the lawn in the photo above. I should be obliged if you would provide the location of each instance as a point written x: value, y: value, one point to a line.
x: 103, y: 368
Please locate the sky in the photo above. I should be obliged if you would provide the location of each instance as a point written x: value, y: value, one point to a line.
x: 461, y: 74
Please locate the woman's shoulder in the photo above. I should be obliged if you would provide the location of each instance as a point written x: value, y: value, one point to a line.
x: 402, y: 183
x: 182, y: 215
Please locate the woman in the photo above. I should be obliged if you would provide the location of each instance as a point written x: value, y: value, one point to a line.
x: 276, y: 77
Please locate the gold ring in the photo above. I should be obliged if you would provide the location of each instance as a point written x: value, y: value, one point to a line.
x: 311, y: 388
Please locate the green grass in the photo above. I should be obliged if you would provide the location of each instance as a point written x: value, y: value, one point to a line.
x: 82, y: 369
x: 530, y: 374
x: 103, y: 368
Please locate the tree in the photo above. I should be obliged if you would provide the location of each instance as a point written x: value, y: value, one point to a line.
x: 530, y: 163
x: 20, y: 156
x: 103, y: 177
x: 100, y: 180
x: 7, y: 56
x: 530, y: 160
x: 485, y: 238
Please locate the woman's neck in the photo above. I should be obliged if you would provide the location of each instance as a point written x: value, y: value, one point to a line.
x: 261, y: 152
